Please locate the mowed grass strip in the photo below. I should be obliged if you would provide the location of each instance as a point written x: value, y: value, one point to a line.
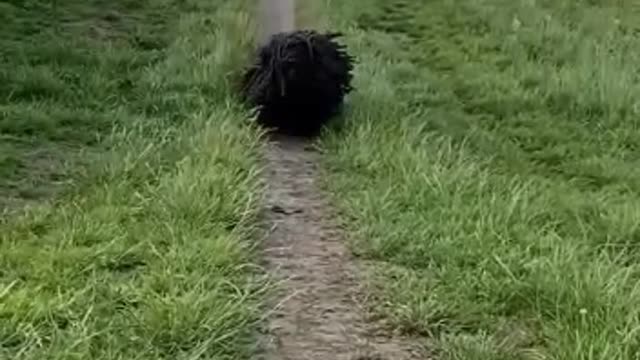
x: 149, y: 256
x: 72, y: 70
x: 488, y: 169
x: 69, y: 72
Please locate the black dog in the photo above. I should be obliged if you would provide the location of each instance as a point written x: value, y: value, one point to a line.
x: 299, y: 81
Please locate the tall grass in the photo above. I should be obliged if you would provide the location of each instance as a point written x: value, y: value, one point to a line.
x: 488, y: 171
x: 149, y: 256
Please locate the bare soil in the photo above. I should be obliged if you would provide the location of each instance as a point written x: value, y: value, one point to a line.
x: 317, y: 313
x: 38, y: 173
x: 277, y: 16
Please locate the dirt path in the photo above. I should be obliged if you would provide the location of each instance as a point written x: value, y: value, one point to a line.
x: 318, y: 316
x: 277, y: 16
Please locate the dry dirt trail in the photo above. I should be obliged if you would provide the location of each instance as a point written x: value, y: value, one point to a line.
x: 316, y: 312
x: 318, y: 316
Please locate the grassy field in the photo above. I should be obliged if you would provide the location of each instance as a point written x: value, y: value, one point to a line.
x: 471, y: 174
x: 119, y: 130
x: 489, y: 171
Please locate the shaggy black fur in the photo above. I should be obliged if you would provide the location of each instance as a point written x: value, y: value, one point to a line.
x: 298, y: 81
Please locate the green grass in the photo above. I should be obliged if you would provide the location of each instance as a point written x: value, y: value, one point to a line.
x: 489, y: 172
x: 145, y: 253
x: 69, y: 71
x: 72, y: 70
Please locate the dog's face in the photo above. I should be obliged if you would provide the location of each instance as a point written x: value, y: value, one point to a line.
x: 296, y: 66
